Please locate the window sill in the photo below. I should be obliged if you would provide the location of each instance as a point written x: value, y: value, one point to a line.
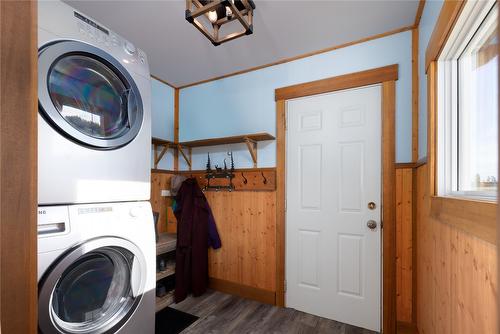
x: 475, y: 217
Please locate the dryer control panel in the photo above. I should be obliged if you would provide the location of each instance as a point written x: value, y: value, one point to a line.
x: 101, y: 35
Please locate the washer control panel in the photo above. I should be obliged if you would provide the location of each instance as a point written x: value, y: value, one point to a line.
x: 101, y: 35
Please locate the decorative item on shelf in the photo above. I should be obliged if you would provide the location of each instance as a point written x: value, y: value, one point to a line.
x: 219, y: 173
x: 217, y: 13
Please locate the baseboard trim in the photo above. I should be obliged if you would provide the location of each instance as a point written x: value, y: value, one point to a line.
x: 245, y: 291
x: 404, y: 327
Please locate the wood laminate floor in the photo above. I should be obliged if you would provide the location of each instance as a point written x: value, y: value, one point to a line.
x: 223, y: 313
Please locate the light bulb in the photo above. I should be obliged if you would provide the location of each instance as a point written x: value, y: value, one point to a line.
x: 212, y: 16
x: 229, y: 12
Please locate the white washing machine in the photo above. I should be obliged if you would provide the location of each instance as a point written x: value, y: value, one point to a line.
x: 96, y: 269
x: 94, y: 124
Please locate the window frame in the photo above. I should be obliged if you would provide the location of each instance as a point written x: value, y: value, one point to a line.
x: 447, y: 146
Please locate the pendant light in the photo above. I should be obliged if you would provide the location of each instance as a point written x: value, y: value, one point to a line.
x: 218, y: 13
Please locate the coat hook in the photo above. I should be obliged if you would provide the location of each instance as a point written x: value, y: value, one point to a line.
x: 265, y: 180
x: 245, y: 181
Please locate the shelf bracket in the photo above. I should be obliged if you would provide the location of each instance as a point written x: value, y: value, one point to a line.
x: 158, y: 157
x: 188, y: 160
x: 252, y: 149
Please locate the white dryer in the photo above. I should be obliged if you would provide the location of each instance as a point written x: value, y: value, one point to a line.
x: 96, y: 269
x: 94, y: 125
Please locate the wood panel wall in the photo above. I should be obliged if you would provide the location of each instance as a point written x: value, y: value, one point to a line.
x: 163, y: 205
x: 404, y: 244
x: 246, y: 221
x: 456, y: 274
x: 18, y: 144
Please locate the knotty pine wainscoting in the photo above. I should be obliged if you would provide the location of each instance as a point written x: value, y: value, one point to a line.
x: 457, y: 281
x: 246, y: 221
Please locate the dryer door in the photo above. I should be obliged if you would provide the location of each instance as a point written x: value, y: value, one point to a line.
x: 87, y: 95
x: 93, y: 288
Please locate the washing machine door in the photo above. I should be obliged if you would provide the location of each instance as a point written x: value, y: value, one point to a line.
x: 93, y: 288
x: 87, y: 95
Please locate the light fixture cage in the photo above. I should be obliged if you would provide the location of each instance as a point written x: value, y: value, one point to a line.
x: 240, y: 10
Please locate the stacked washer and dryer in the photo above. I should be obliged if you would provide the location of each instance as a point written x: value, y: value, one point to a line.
x: 96, y: 240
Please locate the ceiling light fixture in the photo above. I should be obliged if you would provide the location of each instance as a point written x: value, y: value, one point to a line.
x: 218, y: 13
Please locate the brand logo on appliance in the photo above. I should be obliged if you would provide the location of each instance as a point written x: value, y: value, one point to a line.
x: 91, y: 23
x: 83, y: 211
x: 42, y: 212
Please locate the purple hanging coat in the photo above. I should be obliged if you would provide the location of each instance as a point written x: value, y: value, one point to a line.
x: 196, y: 231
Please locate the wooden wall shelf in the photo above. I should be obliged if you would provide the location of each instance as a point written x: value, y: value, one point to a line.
x: 164, y: 145
x: 256, y: 137
x: 250, y: 140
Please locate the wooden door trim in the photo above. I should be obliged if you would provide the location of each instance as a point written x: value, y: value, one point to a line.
x: 387, y: 76
x: 358, y: 79
x: 18, y: 173
x: 444, y: 25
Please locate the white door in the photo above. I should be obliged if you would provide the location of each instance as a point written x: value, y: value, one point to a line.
x: 333, y: 258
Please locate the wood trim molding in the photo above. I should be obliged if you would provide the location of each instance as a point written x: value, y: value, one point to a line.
x: 163, y: 81
x: 418, y: 16
x: 389, y: 175
x: 418, y: 163
x: 389, y: 210
x: 18, y: 166
x: 403, y: 165
x: 477, y: 218
x: 358, y: 79
x: 280, y: 201
x: 431, y: 125
x: 305, y: 55
x: 176, y: 127
x: 249, y: 292
x: 414, y: 245
x: 415, y: 93
x: 444, y: 25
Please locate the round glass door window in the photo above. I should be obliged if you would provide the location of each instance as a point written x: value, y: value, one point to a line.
x: 91, y: 97
x: 94, y: 293
x: 88, y: 95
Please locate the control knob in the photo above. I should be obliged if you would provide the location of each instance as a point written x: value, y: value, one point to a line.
x: 129, y: 48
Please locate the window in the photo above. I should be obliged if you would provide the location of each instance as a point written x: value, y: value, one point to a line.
x: 468, y: 105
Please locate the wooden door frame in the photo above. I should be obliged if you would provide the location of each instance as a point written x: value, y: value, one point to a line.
x: 386, y: 76
x: 18, y: 176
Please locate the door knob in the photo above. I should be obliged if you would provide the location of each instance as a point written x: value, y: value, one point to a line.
x: 371, y: 224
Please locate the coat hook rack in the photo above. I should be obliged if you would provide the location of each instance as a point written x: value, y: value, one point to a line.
x: 219, y: 173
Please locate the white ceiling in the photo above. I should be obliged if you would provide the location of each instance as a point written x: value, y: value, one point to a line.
x: 179, y: 54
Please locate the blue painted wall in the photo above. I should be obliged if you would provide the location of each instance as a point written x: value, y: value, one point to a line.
x: 162, y: 118
x: 245, y: 103
x: 427, y: 23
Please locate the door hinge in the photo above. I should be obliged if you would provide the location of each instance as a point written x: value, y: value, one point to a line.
x: 285, y: 204
x: 381, y: 224
x: 284, y: 286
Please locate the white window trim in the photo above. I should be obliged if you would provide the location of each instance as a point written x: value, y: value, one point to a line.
x: 467, y: 24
